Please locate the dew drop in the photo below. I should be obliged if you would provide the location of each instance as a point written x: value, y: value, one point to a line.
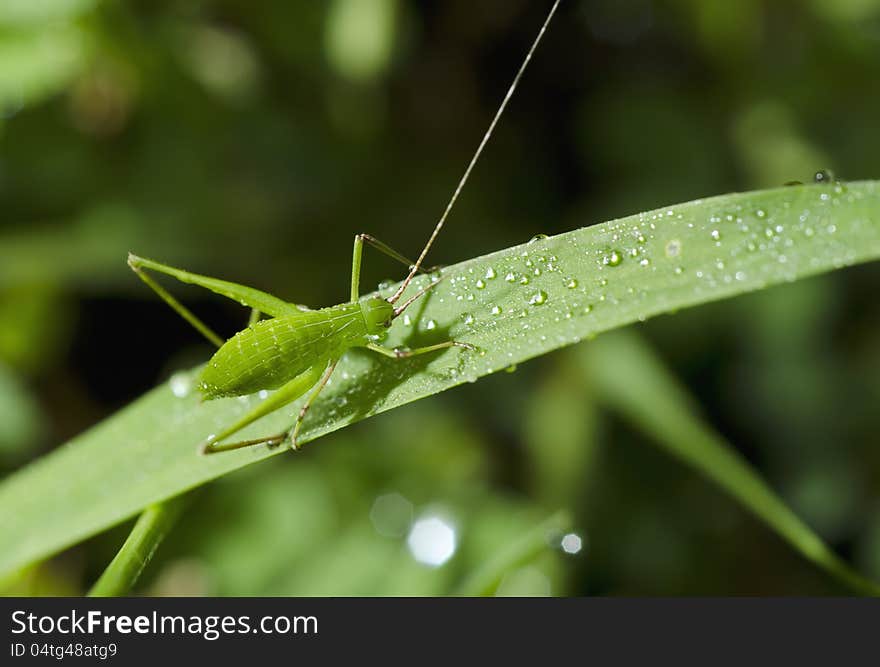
x: 572, y: 284
x: 673, y: 248
x: 588, y: 309
x: 613, y: 258
x: 510, y: 369
x: 496, y: 310
x: 510, y: 277
x: 490, y: 273
x: 407, y: 320
x: 761, y: 213
x: 431, y: 324
x: 480, y: 284
x: 538, y: 237
x: 181, y: 384
x: 524, y: 280
x: 823, y: 176
x: 571, y: 543
x: 468, y: 318
x: 716, y: 234
x: 538, y: 298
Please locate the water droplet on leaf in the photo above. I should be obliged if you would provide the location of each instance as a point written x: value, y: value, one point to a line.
x: 673, y: 248
x: 613, y: 258
x: 823, y: 176
x: 539, y: 298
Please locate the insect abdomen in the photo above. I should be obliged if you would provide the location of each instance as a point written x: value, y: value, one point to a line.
x: 271, y: 352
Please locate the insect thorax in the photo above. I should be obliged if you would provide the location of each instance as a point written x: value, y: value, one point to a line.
x: 378, y: 314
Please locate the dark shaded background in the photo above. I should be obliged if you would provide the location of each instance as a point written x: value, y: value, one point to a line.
x: 252, y: 140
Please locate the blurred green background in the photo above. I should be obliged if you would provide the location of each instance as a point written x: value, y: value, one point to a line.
x: 252, y: 140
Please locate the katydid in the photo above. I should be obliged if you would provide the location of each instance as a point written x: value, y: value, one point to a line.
x: 296, y: 349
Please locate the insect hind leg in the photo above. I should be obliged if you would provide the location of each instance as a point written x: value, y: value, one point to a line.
x: 286, y: 394
x: 294, y: 432
x: 140, y: 270
x: 247, y: 296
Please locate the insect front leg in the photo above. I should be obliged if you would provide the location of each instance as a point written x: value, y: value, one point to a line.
x: 384, y: 248
x: 286, y: 394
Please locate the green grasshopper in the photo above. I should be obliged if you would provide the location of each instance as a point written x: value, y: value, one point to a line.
x: 297, y: 349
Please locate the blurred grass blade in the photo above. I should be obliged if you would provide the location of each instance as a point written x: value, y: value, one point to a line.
x: 513, y: 305
x: 486, y: 579
x: 631, y: 380
x: 136, y: 552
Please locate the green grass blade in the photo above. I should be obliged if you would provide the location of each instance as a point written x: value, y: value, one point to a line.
x: 485, y: 580
x: 136, y: 552
x: 514, y: 305
x: 631, y: 380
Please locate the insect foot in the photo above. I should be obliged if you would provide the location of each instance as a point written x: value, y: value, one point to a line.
x: 207, y: 446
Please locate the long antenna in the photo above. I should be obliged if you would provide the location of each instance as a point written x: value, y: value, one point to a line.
x: 522, y: 68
